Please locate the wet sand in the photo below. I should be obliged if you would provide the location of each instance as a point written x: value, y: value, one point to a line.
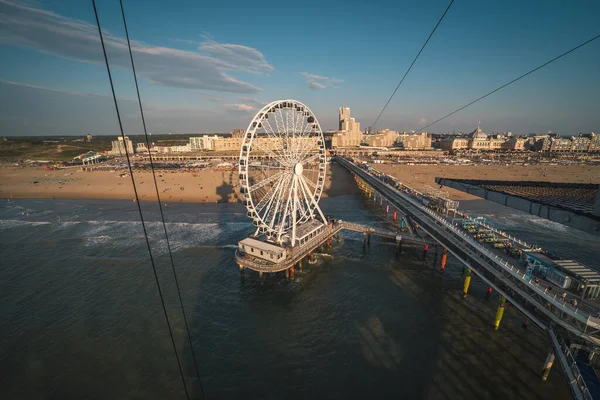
x: 419, y: 176
x: 174, y: 186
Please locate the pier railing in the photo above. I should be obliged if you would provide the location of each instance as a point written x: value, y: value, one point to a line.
x: 577, y: 384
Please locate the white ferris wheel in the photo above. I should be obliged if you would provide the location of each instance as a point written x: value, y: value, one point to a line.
x: 282, y: 169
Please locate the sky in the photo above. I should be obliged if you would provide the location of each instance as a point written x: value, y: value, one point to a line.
x: 210, y: 66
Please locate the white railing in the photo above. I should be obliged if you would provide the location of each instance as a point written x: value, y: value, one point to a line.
x: 578, y: 386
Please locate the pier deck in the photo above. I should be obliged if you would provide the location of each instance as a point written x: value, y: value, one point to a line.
x: 296, y: 254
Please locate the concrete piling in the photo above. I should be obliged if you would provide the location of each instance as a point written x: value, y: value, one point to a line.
x: 547, y: 366
x: 444, y: 258
x: 499, y: 313
x: 467, y: 282
x: 292, y: 272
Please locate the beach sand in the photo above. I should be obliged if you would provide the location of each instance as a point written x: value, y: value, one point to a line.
x: 222, y: 186
x: 174, y: 186
x: 419, y: 176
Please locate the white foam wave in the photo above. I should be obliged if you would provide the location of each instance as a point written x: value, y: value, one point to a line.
x: 16, y: 223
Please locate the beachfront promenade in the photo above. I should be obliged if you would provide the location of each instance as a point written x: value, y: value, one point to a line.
x: 543, y: 308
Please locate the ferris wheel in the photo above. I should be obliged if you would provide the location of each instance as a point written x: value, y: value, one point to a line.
x: 282, y: 169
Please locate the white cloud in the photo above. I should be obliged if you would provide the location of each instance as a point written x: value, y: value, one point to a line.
x: 316, y: 85
x: 239, y: 57
x: 48, y: 32
x: 252, y: 100
x: 318, y: 82
x: 241, y: 107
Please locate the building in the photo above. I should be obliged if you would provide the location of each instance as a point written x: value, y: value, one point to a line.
x: 181, y: 149
x: 454, y: 143
x: 580, y: 143
x: 227, y: 144
x: 263, y: 250
x: 349, y: 134
x: 238, y: 133
x: 205, y: 142
x: 541, y: 143
x: 383, y: 138
x: 560, y: 144
x: 594, y: 141
x: 344, y: 115
x: 514, y: 144
x: 496, y: 143
x: 419, y: 141
x: 121, y: 147
x: 478, y: 140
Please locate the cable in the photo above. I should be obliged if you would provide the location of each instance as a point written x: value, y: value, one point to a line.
x: 162, y: 216
x: 511, y: 82
x: 112, y: 88
x: 413, y: 63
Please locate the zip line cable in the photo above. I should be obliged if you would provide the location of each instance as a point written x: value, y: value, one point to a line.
x: 112, y: 88
x: 511, y: 82
x: 162, y: 216
x: 413, y: 63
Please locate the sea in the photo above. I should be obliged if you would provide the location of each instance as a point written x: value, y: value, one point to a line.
x: 81, y: 314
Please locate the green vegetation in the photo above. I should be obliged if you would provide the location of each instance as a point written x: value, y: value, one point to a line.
x: 62, y: 148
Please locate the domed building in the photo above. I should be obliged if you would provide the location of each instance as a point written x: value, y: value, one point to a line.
x: 478, y: 140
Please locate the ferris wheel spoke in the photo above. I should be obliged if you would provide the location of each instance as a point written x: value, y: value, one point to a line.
x: 309, y: 147
x: 265, y: 182
x: 314, y: 201
x: 310, y: 158
x: 272, y: 153
x: 266, y: 199
x: 274, y: 205
x: 271, y: 197
x: 286, y: 209
x: 305, y: 194
x: 279, y: 134
x: 311, y: 183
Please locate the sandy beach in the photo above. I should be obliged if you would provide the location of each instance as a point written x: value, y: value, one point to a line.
x: 222, y: 186
x: 174, y: 186
x: 419, y: 176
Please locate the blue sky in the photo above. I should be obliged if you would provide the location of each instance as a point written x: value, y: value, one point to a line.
x: 208, y: 66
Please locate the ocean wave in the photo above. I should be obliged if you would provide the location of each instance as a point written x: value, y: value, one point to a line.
x: 16, y: 223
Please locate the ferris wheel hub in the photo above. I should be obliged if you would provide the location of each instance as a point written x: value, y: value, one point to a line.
x: 298, y: 168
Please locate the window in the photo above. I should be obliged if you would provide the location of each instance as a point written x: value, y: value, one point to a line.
x: 271, y: 256
x: 252, y: 249
x: 261, y: 253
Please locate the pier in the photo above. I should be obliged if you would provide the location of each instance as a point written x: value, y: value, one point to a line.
x: 295, y: 255
x: 561, y: 321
